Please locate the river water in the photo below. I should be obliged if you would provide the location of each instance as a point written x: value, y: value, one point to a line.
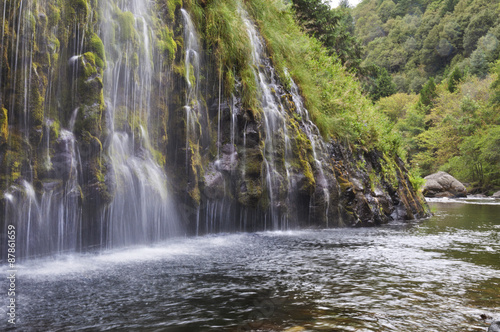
x: 439, y: 274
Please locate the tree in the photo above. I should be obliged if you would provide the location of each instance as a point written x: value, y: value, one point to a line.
x: 454, y: 79
x: 428, y: 93
x: 334, y: 28
x: 478, y: 64
x: 377, y: 82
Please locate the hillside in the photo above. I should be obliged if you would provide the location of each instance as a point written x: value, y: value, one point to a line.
x: 443, y: 59
x: 416, y: 40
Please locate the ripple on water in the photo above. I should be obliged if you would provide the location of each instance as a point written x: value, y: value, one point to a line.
x: 440, y: 274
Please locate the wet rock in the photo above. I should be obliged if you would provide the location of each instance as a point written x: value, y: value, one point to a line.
x: 495, y: 325
x: 214, y: 183
x: 442, y: 184
x: 496, y: 195
x: 64, y: 161
x: 229, y: 159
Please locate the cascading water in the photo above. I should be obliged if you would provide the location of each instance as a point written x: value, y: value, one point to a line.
x: 192, y: 68
x: 53, y: 223
x: 142, y: 210
x: 317, y: 143
x: 97, y: 108
x: 47, y: 214
x: 275, y: 119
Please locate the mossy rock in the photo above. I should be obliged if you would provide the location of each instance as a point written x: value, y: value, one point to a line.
x: 54, y: 15
x: 90, y: 146
x: 36, y: 134
x: 250, y: 192
x: 87, y: 65
x: 4, y: 126
x: 172, y: 6
x: 97, y: 48
x: 126, y: 22
x: 54, y: 129
x: 88, y: 120
x: 80, y: 7
x: 75, y: 11
x: 252, y: 164
x: 167, y: 45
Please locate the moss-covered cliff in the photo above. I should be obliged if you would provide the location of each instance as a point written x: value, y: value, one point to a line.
x: 254, y: 126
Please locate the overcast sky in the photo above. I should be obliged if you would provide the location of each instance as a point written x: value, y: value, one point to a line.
x: 353, y: 3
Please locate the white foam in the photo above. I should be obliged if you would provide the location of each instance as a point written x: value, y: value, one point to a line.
x: 477, y: 200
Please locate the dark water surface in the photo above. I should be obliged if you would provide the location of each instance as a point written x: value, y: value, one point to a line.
x: 439, y: 274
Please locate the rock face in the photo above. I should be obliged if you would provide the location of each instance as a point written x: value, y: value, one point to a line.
x: 495, y: 325
x: 442, y: 184
x: 496, y: 195
x: 134, y: 136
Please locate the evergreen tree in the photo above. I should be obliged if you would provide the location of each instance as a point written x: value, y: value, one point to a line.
x: 454, y: 79
x: 384, y: 86
x: 428, y: 93
x: 334, y: 28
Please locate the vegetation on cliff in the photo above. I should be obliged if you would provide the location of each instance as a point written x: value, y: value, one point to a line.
x: 99, y: 96
x: 443, y: 59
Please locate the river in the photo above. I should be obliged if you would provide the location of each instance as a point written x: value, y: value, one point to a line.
x: 439, y: 274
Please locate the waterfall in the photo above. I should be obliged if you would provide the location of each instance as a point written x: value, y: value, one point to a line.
x: 142, y: 209
x: 47, y: 214
x: 53, y: 223
x: 275, y: 120
x: 192, y: 68
x: 317, y: 143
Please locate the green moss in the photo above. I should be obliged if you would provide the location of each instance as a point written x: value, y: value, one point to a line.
x: 253, y: 163
x: 36, y: 101
x: 172, y: 5
x: 54, y: 16
x: 302, y: 156
x: 126, y: 22
x: 16, y: 155
x: 97, y: 47
x: 180, y: 70
x: 80, y: 7
x: 4, y: 126
x: 88, y: 64
x: 54, y: 129
x: 228, y: 40
x: 167, y: 45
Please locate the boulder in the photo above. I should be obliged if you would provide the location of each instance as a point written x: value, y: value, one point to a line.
x: 495, y: 325
x: 496, y: 195
x: 442, y: 184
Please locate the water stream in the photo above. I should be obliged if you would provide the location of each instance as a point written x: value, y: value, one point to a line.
x: 274, y: 118
x: 439, y: 274
x: 142, y: 210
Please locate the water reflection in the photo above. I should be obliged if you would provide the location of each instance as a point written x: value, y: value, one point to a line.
x: 437, y: 275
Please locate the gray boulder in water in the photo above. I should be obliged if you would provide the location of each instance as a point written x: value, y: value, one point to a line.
x: 442, y: 184
x: 495, y: 325
x: 496, y: 195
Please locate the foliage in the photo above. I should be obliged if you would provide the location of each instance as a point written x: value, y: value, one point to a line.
x: 428, y: 93
x: 228, y: 40
x: 333, y: 27
x: 415, y: 40
x: 455, y: 130
x: 377, y: 82
x: 396, y: 105
x: 454, y: 79
x: 332, y: 96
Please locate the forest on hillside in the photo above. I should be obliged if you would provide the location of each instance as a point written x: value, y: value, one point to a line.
x: 432, y: 67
